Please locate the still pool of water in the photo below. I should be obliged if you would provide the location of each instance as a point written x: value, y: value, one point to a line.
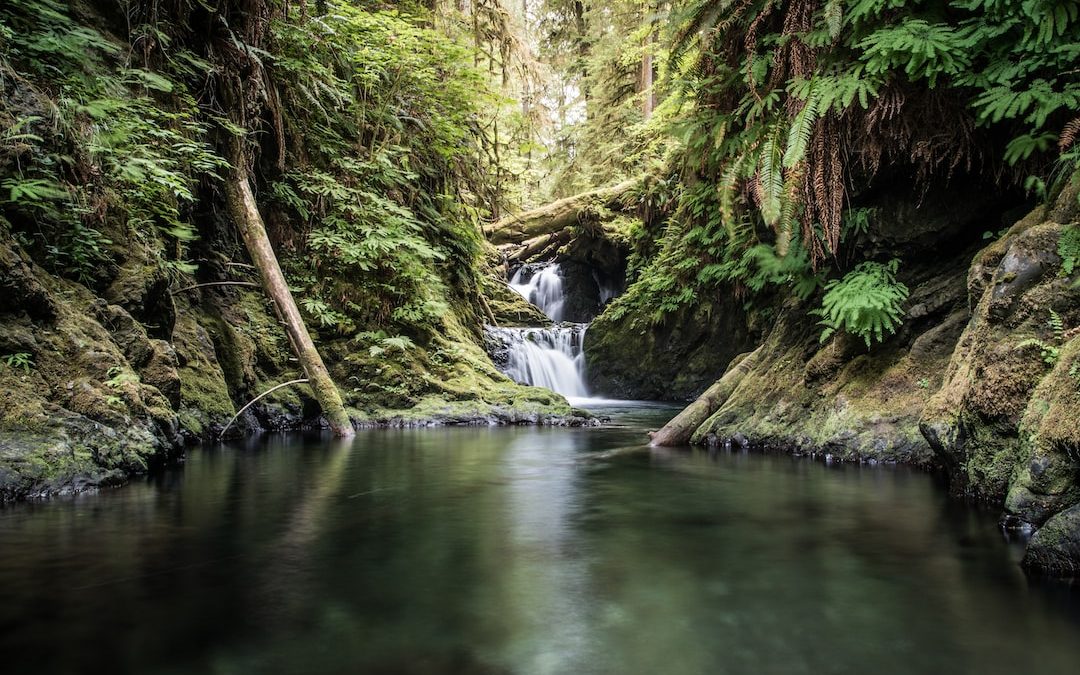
x: 521, y: 550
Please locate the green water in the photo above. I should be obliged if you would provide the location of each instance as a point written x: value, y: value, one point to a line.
x: 520, y: 551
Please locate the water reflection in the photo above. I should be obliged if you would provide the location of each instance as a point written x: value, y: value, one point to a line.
x: 520, y: 551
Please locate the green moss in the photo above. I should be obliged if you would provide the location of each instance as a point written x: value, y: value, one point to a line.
x: 1055, y: 548
x: 204, y: 393
x: 676, y: 360
x: 838, y: 400
x: 1048, y: 476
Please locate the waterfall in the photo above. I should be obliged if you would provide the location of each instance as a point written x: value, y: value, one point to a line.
x: 543, y: 287
x: 543, y: 357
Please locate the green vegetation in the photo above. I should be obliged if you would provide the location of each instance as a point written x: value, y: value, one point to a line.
x: 1050, y: 352
x: 94, y: 143
x: 807, y: 176
x: 787, y: 115
x: 18, y: 361
x: 866, y: 303
x: 382, y: 178
x: 1068, y: 249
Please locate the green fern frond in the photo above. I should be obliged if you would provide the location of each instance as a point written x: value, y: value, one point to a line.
x: 1069, y: 249
x: 771, y: 177
x: 867, y: 302
x: 834, y: 17
x: 802, y: 127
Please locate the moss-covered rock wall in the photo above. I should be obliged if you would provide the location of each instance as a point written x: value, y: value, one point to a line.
x: 982, y: 380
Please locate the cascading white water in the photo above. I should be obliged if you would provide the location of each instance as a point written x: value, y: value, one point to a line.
x: 544, y: 357
x: 543, y: 288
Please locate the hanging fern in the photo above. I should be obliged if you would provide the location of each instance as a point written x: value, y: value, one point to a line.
x: 802, y: 126
x: 771, y: 178
x: 867, y: 302
x: 834, y: 17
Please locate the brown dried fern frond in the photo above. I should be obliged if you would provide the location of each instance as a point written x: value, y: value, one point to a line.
x: 750, y: 45
x: 1068, y: 134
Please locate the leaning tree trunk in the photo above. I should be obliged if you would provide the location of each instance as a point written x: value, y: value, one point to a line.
x: 679, y: 430
x: 245, y: 213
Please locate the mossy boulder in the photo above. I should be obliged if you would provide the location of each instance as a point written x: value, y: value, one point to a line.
x: 505, y: 306
x: 205, y: 403
x: 75, y: 410
x: 1055, y: 548
x: 838, y: 399
x: 1047, y: 476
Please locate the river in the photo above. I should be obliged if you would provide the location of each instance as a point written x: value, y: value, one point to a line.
x: 521, y: 550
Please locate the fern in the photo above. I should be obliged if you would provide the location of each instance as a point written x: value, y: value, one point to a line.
x: 833, y: 14
x: 1051, y: 353
x: 1048, y: 352
x: 922, y: 49
x: 802, y: 126
x: 867, y: 302
x: 1024, y: 146
x: 1069, y: 249
x: 771, y: 178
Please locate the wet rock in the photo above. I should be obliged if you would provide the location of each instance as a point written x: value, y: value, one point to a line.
x: 1019, y: 271
x: 1000, y: 410
x: 20, y: 289
x: 128, y: 334
x: 161, y: 370
x: 142, y: 289
x: 677, y: 360
x: 1055, y: 548
x: 582, y: 292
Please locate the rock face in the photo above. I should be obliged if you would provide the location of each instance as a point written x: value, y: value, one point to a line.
x: 90, y: 394
x: 75, y: 410
x: 999, y: 420
x: 1055, y: 548
x: 839, y: 398
x: 675, y: 361
x: 1006, y: 421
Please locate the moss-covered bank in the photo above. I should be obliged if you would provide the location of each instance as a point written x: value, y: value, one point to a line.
x: 92, y: 398
x: 131, y: 319
x: 982, y: 380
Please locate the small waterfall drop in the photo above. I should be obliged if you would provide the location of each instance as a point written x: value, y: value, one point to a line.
x: 542, y: 357
x: 542, y: 287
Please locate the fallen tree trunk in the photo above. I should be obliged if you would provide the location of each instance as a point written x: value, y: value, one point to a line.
x: 679, y: 430
x: 538, y: 248
x: 245, y: 213
x: 532, y: 226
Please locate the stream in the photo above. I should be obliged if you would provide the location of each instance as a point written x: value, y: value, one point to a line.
x: 520, y: 550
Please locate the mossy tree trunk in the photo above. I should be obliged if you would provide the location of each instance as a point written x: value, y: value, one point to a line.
x: 679, y: 430
x: 529, y: 228
x: 245, y: 213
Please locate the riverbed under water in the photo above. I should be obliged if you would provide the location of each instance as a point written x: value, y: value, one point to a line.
x: 521, y: 550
